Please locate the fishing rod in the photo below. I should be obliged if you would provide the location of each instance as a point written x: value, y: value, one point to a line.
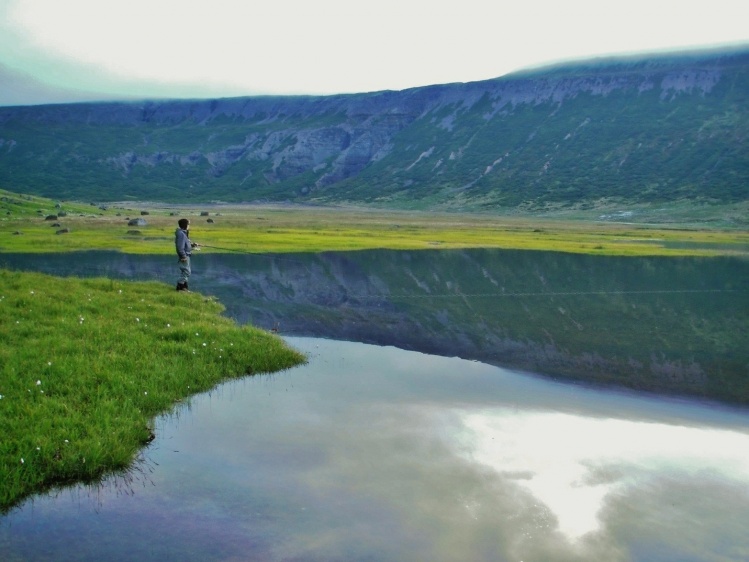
x: 261, y: 255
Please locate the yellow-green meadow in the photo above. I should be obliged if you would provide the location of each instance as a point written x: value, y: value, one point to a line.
x: 278, y: 228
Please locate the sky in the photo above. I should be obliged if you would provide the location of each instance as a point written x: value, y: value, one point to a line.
x: 68, y: 50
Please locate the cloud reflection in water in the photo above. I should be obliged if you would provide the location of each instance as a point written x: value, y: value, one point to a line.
x: 573, y: 464
x: 377, y: 453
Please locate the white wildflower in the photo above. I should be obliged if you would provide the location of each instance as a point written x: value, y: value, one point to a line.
x: 137, y: 319
x: 38, y: 383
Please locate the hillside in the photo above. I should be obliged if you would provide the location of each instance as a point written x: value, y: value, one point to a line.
x: 636, y: 130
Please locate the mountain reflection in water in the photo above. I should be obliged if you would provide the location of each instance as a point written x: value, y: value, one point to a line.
x: 672, y: 325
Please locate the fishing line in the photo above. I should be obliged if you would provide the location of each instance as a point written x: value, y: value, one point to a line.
x: 549, y: 294
x: 159, y: 276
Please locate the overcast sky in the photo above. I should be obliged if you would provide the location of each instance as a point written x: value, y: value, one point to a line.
x: 106, y: 49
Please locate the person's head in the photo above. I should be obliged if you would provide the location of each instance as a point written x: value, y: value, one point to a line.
x: 183, y: 223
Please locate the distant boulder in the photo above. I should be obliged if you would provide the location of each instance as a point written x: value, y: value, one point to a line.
x: 204, y: 213
x: 50, y: 218
x: 137, y: 222
x: 209, y: 220
x: 56, y: 224
x: 144, y: 213
x: 63, y: 231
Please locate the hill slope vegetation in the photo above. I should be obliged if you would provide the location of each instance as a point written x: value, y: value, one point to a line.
x: 635, y: 130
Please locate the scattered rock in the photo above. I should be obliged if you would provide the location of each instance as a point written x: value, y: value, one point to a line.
x: 56, y: 224
x: 134, y: 232
x: 144, y: 213
x: 63, y: 231
x: 209, y: 220
x: 204, y: 213
x: 17, y: 233
x: 50, y: 218
x: 137, y: 222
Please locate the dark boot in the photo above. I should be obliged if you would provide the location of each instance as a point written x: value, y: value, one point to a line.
x: 181, y: 286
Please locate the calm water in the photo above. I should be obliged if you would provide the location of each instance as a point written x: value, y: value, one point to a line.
x: 371, y: 452
x: 375, y: 453
x: 670, y: 325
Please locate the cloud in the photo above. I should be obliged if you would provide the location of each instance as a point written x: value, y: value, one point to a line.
x: 235, y: 47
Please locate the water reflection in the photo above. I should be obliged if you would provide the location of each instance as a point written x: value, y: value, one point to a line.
x: 375, y: 453
x: 674, y: 325
x: 575, y: 464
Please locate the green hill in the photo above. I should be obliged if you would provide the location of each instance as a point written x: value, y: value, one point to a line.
x: 632, y: 131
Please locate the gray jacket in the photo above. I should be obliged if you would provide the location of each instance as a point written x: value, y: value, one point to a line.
x: 184, y: 246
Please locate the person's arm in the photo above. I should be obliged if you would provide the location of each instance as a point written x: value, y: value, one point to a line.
x: 181, y: 238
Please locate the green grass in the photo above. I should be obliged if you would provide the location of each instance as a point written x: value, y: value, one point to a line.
x: 86, y: 365
x: 264, y: 229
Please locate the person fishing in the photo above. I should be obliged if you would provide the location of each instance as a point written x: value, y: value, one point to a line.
x: 184, y: 251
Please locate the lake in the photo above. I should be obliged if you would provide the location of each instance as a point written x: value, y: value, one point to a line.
x: 403, y: 451
x: 376, y: 453
x: 677, y: 326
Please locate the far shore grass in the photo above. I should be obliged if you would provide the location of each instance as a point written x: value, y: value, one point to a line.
x: 86, y: 366
x: 26, y: 226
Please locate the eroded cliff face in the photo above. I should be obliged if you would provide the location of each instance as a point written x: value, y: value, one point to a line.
x: 509, y: 140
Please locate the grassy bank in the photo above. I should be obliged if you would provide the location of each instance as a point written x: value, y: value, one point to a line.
x: 26, y: 226
x: 86, y: 365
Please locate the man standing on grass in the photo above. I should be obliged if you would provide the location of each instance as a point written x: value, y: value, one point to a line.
x: 184, y: 251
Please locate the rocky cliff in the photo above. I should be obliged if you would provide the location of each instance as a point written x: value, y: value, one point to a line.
x: 653, y: 129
